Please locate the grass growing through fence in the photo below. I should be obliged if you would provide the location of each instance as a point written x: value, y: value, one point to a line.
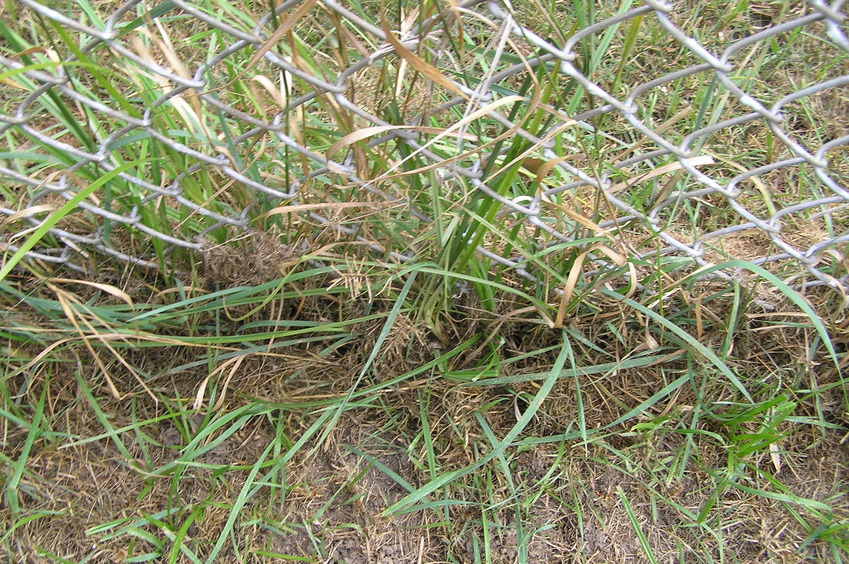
x: 325, y: 402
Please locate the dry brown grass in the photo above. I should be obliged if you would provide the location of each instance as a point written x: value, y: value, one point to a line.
x: 328, y: 507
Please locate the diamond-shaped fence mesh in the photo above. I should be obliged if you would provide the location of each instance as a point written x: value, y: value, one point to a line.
x: 648, y: 129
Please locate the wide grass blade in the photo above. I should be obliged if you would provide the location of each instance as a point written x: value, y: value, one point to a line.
x: 59, y: 214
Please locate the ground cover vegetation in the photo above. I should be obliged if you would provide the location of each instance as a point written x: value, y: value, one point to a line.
x: 294, y: 392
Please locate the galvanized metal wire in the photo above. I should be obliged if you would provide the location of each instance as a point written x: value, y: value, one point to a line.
x: 751, y: 159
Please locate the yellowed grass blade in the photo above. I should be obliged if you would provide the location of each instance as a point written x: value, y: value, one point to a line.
x: 280, y: 32
x: 533, y: 148
x: 425, y: 68
x: 65, y: 303
x: 66, y: 299
x: 775, y: 456
x: 575, y: 274
x: 108, y: 288
x: 328, y: 206
x: 660, y: 129
x: 695, y: 161
x: 234, y: 364
x: 28, y: 212
x: 276, y: 93
x: 569, y: 288
x: 367, y: 132
x: 451, y: 131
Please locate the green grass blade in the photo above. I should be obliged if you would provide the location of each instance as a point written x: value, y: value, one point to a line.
x: 238, y: 504
x: 788, y: 292
x: 527, y: 417
x: 638, y: 529
x: 11, y: 493
x: 686, y: 339
x: 57, y: 216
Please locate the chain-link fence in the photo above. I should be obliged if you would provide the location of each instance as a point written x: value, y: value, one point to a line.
x: 691, y: 132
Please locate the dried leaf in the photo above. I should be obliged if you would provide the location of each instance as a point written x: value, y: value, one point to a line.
x: 775, y: 457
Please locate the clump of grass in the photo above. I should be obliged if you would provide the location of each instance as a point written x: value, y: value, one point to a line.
x: 378, y: 358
